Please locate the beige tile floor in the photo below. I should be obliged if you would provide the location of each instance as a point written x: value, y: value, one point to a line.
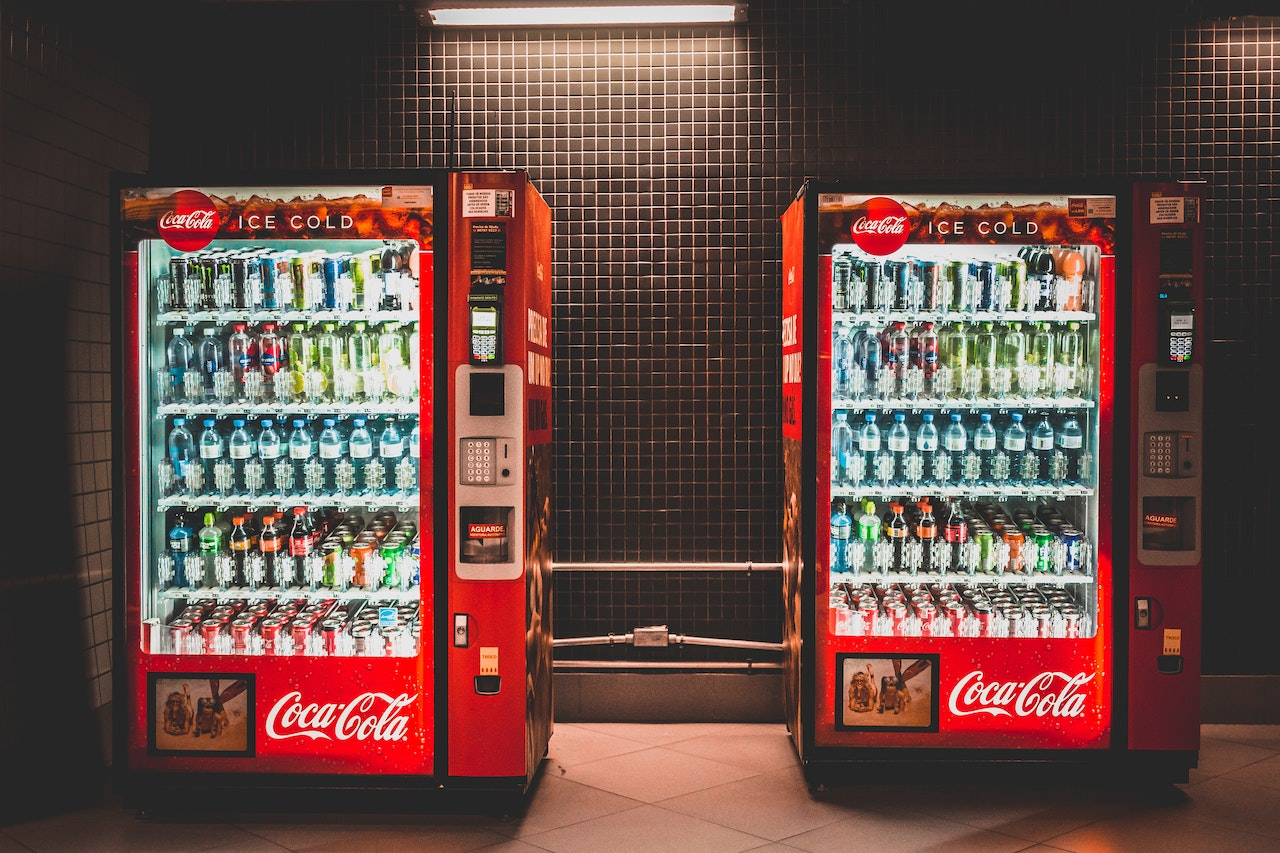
x: 707, y: 787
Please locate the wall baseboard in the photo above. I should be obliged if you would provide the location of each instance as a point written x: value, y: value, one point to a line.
x: 663, y: 697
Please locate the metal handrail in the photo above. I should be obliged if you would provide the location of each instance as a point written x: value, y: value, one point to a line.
x: 748, y: 566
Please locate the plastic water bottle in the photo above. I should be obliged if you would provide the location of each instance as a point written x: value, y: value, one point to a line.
x: 1069, y: 357
x: 301, y: 449
x: 924, y: 355
x: 240, y: 449
x: 953, y: 354
x: 360, y: 450
x: 1013, y: 447
x: 842, y: 473
x: 868, y: 355
x: 1013, y: 353
x: 841, y: 528
x: 897, y: 529
x: 329, y: 353
x: 241, y: 354
x: 390, y: 451
x: 868, y: 533
x: 1040, y: 356
x: 360, y: 344
x: 272, y: 357
x: 1069, y: 441
x: 415, y: 450
x: 926, y: 531
x: 330, y: 453
x: 238, y: 543
x: 182, y: 453
x: 213, y: 358
x: 986, y: 343
x: 181, y: 545
x: 270, y: 448
x: 1042, y: 449
x: 955, y: 444
x: 180, y: 355
x: 210, y: 542
x: 898, y: 355
x: 212, y: 450
x: 869, y: 450
x: 927, y: 447
x: 984, y: 442
x: 842, y: 361
x: 898, y: 440
x: 955, y: 531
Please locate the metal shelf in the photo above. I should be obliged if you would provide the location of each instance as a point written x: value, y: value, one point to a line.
x: 409, y: 595
x: 1008, y: 579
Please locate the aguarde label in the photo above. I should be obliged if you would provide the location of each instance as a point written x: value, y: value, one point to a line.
x: 369, y: 716
x: 1049, y: 694
x: 880, y: 226
x: 192, y: 223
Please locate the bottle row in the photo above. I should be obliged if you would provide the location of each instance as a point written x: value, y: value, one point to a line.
x: 254, y: 279
x: 999, y: 453
x: 344, y: 459
x: 308, y: 549
x: 1037, y: 278
x: 984, y: 538
x: 959, y: 361
x: 316, y: 363
x: 943, y: 610
x: 288, y: 626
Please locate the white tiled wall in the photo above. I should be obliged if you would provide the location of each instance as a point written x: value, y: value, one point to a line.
x: 70, y: 115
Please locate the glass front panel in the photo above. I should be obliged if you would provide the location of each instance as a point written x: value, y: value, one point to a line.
x: 280, y: 491
x: 963, y: 441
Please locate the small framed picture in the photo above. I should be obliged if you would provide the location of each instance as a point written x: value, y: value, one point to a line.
x: 887, y: 692
x: 200, y: 714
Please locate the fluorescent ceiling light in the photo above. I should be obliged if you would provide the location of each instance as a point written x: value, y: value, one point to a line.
x: 569, y: 13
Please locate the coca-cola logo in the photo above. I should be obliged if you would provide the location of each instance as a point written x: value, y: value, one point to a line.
x: 880, y: 226
x: 1049, y: 694
x: 369, y: 716
x: 193, y: 222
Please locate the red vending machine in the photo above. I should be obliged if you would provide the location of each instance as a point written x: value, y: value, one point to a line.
x: 964, y: 581
x: 292, y: 613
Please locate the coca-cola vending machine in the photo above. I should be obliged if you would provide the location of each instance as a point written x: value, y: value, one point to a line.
x: 333, y: 486
x: 991, y: 420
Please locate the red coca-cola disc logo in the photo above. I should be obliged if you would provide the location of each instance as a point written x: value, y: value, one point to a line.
x: 193, y: 222
x: 880, y: 226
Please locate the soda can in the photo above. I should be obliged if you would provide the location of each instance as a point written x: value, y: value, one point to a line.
x: 210, y: 631
x: 240, y: 630
x: 329, y: 634
x: 986, y: 549
x: 1072, y: 539
x: 840, y: 275
x: 897, y: 611
x: 1044, y: 547
x: 329, y: 266
x: 955, y: 612
x: 298, y: 284
x: 179, y: 631
x: 1014, y: 539
x: 899, y: 285
x: 873, y: 275
x: 986, y: 287
x: 957, y: 286
x: 1018, y: 300
x: 932, y: 297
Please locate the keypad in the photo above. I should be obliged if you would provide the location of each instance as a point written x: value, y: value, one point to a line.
x: 479, y: 458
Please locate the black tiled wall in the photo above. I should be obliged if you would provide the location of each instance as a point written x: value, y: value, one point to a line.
x: 667, y: 157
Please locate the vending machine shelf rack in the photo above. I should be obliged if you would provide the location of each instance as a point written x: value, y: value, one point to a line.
x: 177, y: 318
x: 405, y: 595
x: 400, y: 503
x: 868, y: 318
x: 282, y: 410
x: 946, y: 405
x: 1011, y: 579
x: 999, y: 493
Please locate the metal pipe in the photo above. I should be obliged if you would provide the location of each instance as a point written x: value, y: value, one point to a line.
x: 705, y: 665
x: 673, y: 639
x: 748, y: 566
